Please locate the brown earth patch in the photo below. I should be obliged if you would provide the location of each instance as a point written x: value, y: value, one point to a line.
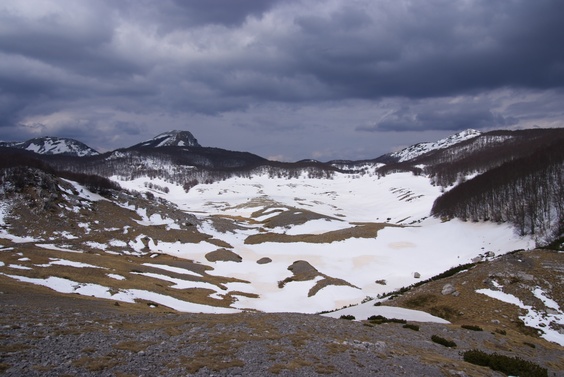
x: 361, y: 230
x: 223, y: 255
x: 303, y: 271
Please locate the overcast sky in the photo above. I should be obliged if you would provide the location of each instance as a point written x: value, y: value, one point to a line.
x: 338, y: 79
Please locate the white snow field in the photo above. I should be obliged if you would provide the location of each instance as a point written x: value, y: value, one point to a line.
x: 405, y: 240
x: 421, y: 244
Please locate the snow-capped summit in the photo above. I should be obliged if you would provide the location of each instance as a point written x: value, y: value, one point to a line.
x: 419, y: 149
x: 49, y: 145
x: 173, y: 138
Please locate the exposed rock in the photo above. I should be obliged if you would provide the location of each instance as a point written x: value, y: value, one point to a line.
x: 448, y: 289
x: 264, y: 260
x: 302, y: 268
x: 223, y: 255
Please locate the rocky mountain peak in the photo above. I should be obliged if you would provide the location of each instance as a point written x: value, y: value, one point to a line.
x: 173, y: 138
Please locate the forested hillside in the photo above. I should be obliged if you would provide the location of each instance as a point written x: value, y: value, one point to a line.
x: 526, y: 191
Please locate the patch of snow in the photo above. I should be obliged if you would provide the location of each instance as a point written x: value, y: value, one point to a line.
x: 64, y: 262
x: 539, y: 320
x: 49, y: 246
x: 118, y: 243
x: 178, y: 283
x: 85, y: 226
x: 154, y: 220
x: 84, y: 193
x: 367, y: 309
x: 4, y: 210
x: 548, y: 302
x: 96, y: 245
x: 116, y: 276
x: 177, y: 270
x: 129, y: 295
x: 19, y: 267
x: 422, y: 148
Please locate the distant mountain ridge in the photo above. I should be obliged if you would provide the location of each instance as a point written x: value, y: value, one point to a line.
x: 420, y: 149
x: 173, y: 138
x: 49, y: 145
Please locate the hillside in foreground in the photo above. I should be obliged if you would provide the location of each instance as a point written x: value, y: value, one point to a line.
x: 51, y: 334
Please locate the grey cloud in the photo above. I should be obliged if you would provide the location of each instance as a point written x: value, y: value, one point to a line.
x: 441, y: 117
x: 428, y: 50
x: 218, y: 57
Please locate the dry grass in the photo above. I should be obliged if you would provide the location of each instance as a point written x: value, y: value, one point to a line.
x: 14, y: 347
x: 512, y: 271
x: 291, y: 365
x: 213, y: 360
x: 364, y: 230
x: 96, y: 364
x: 132, y: 345
x: 120, y: 265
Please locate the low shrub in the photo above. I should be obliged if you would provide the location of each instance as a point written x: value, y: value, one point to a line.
x: 379, y: 319
x: 501, y: 332
x: 514, y: 366
x: 442, y: 341
x: 421, y: 301
x: 472, y: 327
x: 411, y: 327
x: 348, y: 317
x: 444, y: 311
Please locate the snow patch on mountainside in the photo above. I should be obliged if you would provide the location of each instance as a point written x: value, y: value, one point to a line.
x: 54, y: 145
x: 173, y: 138
x: 421, y: 148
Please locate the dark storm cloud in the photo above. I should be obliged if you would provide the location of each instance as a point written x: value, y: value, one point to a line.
x: 185, y: 13
x: 436, y: 48
x: 447, y: 118
x: 71, y: 61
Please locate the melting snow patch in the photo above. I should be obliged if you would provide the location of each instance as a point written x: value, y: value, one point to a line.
x: 64, y: 262
x: 129, y: 295
x: 367, y: 309
x: 85, y: 226
x: 117, y: 243
x: 537, y: 319
x: 96, y: 245
x: 17, y: 239
x: 177, y: 270
x: 50, y: 246
x: 178, y: 283
x: 84, y: 193
x: 116, y: 276
x: 3, y: 212
x: 19, y: 267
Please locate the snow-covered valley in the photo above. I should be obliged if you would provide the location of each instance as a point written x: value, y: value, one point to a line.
x: 360, y: 235
x: 409, y: 243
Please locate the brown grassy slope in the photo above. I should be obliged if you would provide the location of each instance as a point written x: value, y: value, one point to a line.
x: 518, y: 273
